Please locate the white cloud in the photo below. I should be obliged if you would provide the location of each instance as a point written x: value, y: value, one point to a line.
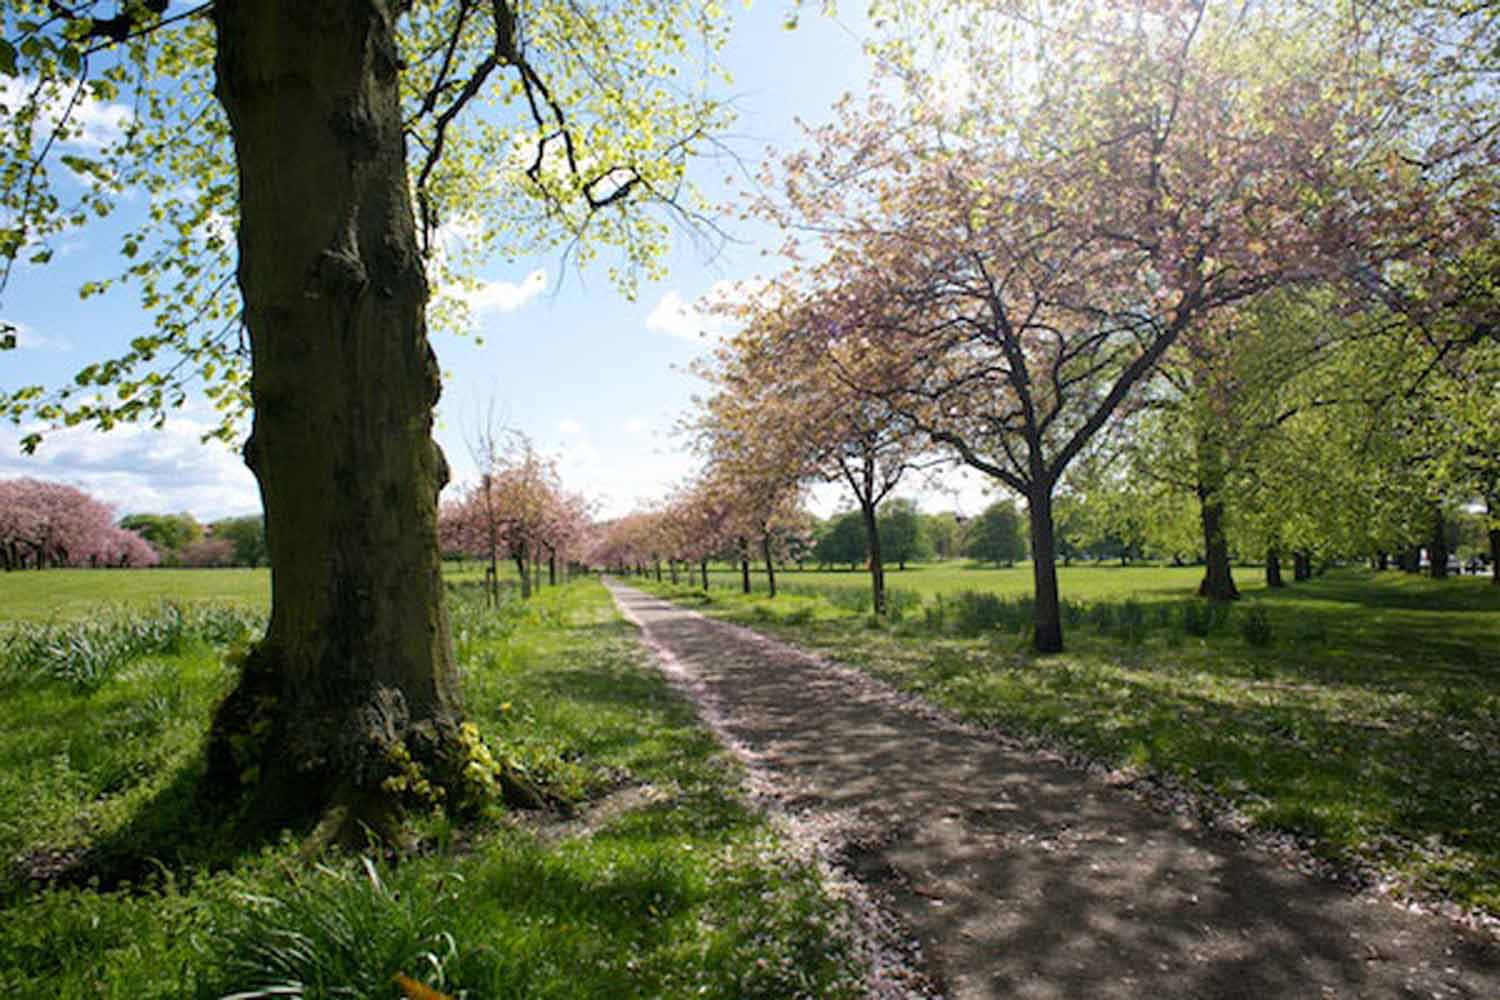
x: 505, y: 296
x: 704, y: 318
x: 92, y: 124
x: 139, y: 469
x: 635, y: 425
x: 569, y: 427
x: 674, y: 316
x: 28, y: 339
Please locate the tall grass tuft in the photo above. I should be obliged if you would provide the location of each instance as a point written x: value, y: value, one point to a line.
x: 340, y: 932
x: 87, y: 654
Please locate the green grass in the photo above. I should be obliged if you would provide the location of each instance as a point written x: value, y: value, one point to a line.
x: 687, y: 894
x: 1080, y: 582
x: 73, y: 594
x: 1358, y: 711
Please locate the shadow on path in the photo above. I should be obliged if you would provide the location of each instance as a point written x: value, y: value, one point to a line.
x: 1024, y: 878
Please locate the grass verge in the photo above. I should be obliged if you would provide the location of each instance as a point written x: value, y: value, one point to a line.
x: 1358, y: 712
x: 661, y: 883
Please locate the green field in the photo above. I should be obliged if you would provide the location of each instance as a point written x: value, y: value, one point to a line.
x: 1358, y: 712
x: 76, y: 594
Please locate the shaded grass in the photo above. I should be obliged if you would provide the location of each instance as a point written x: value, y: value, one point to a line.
x: 689, y: 895
x: 1358, y: 711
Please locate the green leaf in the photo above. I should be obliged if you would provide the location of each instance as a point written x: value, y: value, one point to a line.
x: 7, y: 58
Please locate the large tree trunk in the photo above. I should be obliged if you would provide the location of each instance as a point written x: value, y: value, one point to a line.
x: 357, y: 660
x: 1492, y: 507
x: 877, y: 566
x: 1218, y: 579
x: 1273, y: 568
x: 1048, y: 607
x: 1301, y: 566
x: 703, y: 569
x: 1495, y: 556
x: 744, y: 574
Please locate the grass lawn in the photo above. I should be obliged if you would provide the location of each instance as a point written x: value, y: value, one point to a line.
x: 1357, y: 711
x: 75, y: 594
x: 113, y: 885
x: 1080, y: 582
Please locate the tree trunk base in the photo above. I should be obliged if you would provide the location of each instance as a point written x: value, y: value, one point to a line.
x: 1221, y: 590
x: 1049, y: 637
x: 350, y: 763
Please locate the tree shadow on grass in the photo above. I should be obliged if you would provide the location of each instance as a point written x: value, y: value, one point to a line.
x: 173, y: 832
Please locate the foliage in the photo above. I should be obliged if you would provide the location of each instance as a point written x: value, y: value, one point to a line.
x: 1005, y: 269
x: 167, y: 533
x: 247, y: 535
x: 901, y: 536
x: 599, y: 111
x: 49, y: 524
x: 842, y: 541
x: 996, y: 535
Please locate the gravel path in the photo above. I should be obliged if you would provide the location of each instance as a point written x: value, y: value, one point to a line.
x: 1025, y: 878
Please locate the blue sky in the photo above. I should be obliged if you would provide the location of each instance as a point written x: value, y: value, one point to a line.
x: 595, y: 379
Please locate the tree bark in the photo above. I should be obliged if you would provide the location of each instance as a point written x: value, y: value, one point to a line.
x: 744, y: 574
x: 1411, y: 559
x: 523, y: 570
x: 703, y: 569
x: 765, y: 548
x: 1301, y: 566
x: 1437, y: 551
x: 1048, y: 607
x: 1218, y: 579
x: 877, y: 567
x: 1273, y: 568
x: 1492, y: 508
x: 1495, y: 556
x: 357, y: 658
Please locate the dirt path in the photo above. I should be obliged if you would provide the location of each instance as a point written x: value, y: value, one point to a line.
x: 1024, y: 878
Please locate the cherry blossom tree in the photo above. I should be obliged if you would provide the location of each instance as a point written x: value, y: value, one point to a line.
x: 1006, y: 270
x: 46, y: 524
x: 785, y: 398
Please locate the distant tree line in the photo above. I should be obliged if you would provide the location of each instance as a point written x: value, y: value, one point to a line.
x: 46, y: 525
